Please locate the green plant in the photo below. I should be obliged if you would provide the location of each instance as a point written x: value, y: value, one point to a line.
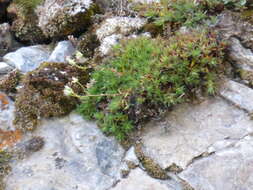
x: 149, y: 75
x: 175, y: 12
x: 218, y: 5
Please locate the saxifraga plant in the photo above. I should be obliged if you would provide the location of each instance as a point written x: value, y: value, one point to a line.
x: 148, y: 75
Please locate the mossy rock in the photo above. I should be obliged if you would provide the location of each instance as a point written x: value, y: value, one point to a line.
x: 246, y: 75
x: 42, y: 93
x: 9, y: 82
x: 87, y: 43
x: 152, y: 168
x: 25, y: 25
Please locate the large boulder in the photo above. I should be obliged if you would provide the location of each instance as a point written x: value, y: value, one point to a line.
x: 25, y: 24
x: 27, y: 58
x: 6, y: 40
x: 75, y: 155
x: 59, y: 18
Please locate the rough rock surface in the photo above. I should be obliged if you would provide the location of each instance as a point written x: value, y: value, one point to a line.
x: 238, y: 94
x: 6, y: 40
x: 76, y: 155
x: 231, y: 25
x: 61, y: 52
x: 27, y: 58
x: 226, y: 169
x: 138, y: 179
x: 115, y: 28
x: 191, y: 130
x: 61, y: 18
x: 119, y: 25
x: 5, y: 68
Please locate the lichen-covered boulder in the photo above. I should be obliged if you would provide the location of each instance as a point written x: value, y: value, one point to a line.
x: 25, y: 24
x: 5, y: 38
x: 42, y: 93
x: 59, y: 18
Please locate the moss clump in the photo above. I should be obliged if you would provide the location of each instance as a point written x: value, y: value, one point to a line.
x: 87, y: 43
x: 25, y: 24
x: 9, y: 82
x: 147, y: 76
x: 173, y: 13
x: 152, y: 168
x: 42, y: 93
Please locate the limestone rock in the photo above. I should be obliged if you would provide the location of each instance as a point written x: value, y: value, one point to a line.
x: 137, y: 179
x: 5, y: 68
x: 189, y: 130
x: 231, y: 25
x: 27, y: 58
x: 227, y: 169
x: 61, y: 52
x: 238, y: 94
x: 119, y: 25
x: 75, y: 155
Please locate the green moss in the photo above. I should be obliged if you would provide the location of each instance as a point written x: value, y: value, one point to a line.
x: 147, y: 76
x: 152, y: 168
x: 42, y: 93
x: 246, y: 75
x: 9, y: 83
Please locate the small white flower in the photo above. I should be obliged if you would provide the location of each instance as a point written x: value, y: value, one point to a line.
x: 68, y: 91
x: 74, y: 80
x: 79, y: 55
x: 70, y: 61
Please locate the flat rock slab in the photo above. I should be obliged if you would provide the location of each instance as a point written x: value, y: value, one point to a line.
x: 238, y: 94
x: 138, y: 179
x: 27, y: 58
x: 230, y: 169
x: 76, y: 155
x: 193, y: 130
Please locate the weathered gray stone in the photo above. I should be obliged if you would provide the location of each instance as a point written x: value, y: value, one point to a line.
x: 5, y: 68
x: 190, y: 130
x: 27, y: 58
x: 240, y: 55
x: 131, y: 157
x: 138, y: 179
x: 61, y: 52
x: 227, y: 169
x: 119, y: 25
x: 230, y: 25
x: 5, y: 38
x: 108, y: 42
x: 238, y: 94
x: 76, y: 155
